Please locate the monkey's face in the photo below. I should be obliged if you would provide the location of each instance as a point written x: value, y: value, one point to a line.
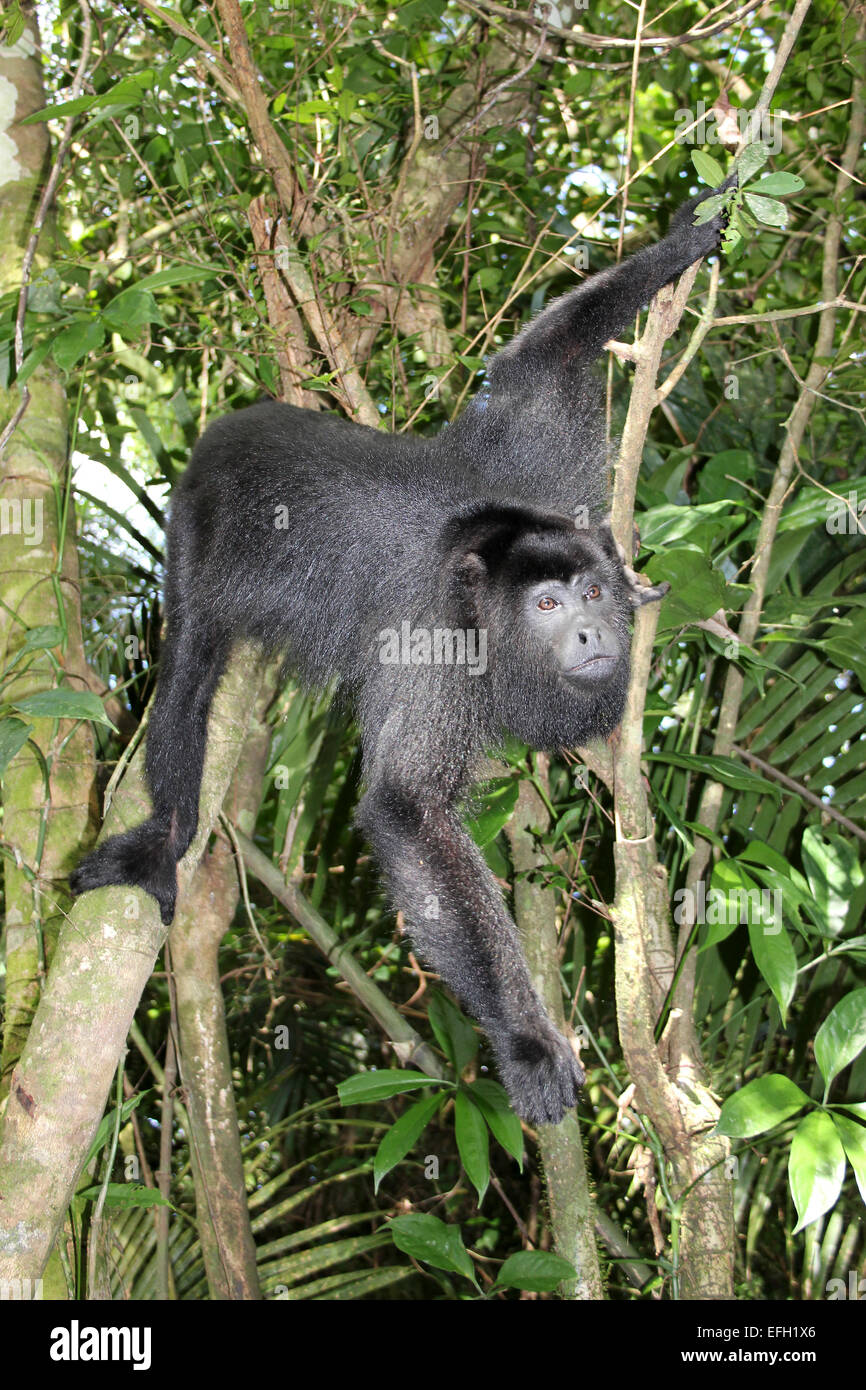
x: 579, y: 622
x: 559, y: 654
x: 573, y: 605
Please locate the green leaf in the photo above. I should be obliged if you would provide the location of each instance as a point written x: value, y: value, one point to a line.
x: 853, y: 1138
x: 489, y: 277
x: 763, y: 856
x: 403, y: 1135
x: 538, y: 1270
x: 720, y: 769
x: 179, y: 275
x: 760, y: 1105
x: 702, y: 526
x: 739, y: 904
x: 33, y: 360
x: 777, y: 961
x: 472, y: 1142
x: 14, y: 733
x: 305, y: 113
x: 106, y: 1125
x: 697, y: 589
x: 778, y: 185
x: 128, y: 89
x: 63, y: 704
x: 13, y: 24
x: 429, y: 1239
x: 787, y: 891
x: 708, y: 169
x: 126, y: 1194
x: 499, y: 799
x: 834, y: 873
x: 842, y: 1035
x: 131, y: 310
x: 77, y: 341
x: 454, y: 1033
x: 767, y: 210
x: 43, y: 638
x: 370, y: 1086
x: 816, y: 1167
x: 492, y: 1100
x: 127, y: 92
x: 753, y: 158
x: 708, y: 209
x: 732, y: 469
x: 810, y: 507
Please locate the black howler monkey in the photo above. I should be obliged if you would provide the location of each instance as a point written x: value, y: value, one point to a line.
x: 446, y: 583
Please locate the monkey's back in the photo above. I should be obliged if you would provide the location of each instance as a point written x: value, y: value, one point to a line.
x: 309, y: 532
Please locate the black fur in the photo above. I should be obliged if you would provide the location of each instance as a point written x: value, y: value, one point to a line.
x: 315, y: 536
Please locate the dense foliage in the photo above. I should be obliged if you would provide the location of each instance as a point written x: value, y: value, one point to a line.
x: 155, y: 309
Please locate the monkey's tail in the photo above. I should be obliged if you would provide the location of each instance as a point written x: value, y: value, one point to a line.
x: 144, y: 857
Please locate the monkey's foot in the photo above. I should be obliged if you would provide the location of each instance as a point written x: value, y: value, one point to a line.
x: 142, y: 858
x: 539, y: 1070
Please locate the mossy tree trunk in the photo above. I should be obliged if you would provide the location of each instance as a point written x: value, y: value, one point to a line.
x: 47, y: 785
x: 561, y: 1146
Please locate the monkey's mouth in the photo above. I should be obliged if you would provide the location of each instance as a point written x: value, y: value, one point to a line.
x: 593, y: 666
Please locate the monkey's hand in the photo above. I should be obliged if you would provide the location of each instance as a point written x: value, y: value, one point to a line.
x: 704, y: 237
x: 639, y: 589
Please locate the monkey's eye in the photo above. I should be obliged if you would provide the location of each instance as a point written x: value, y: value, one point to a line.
x: 593, y: 592
x: 546, y: 604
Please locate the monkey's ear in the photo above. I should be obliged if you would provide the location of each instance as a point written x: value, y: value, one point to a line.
x: 606, y: 540
x: 472, y: 577
x: 611, y: 545
x: 470, y: 569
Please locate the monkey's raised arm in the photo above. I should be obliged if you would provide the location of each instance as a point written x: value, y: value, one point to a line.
x: 552, y: 351
x: 459, y: 926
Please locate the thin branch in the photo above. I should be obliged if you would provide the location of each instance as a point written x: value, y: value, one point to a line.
x: 499, y: 89
x: 277, y: 161
x: 704, y: 324
x: 771, y: 82
x: 409, y: 1046
x: 799, y: 790
x: 212, y: 60
x: 579, y: 35
x: 777, y: 315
